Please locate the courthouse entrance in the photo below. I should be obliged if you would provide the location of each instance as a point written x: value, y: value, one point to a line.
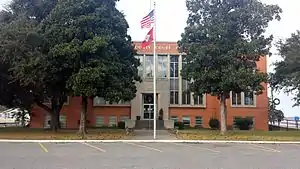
x: 148, y: 106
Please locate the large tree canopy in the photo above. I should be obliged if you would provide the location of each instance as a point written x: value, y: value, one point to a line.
x: 55, y: 48
x: 287, y: 71
x: 92, y: 51
x: 223, y: 41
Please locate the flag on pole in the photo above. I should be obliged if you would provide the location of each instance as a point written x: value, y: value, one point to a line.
x: 148, y: 39
x: 148, y: 20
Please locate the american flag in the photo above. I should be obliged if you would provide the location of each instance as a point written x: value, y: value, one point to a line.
x: 147, y: 20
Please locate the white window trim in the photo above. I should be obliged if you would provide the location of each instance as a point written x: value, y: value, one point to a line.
x: 243, y: 101
x: 191, y: 105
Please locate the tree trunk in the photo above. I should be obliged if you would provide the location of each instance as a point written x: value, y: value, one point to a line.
x: 223, y: 114
x: 55, y: 122
x: 82, y: 126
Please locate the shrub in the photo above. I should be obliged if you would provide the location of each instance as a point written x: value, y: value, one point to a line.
x: 244, y: 123
x: 121, y: 125
x: 179, y: 125
x: 214, y: 123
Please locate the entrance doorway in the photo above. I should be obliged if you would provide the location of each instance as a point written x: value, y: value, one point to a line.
x: 148, y: 106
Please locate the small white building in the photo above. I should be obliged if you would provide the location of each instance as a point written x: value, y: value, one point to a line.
x: 9, y: 118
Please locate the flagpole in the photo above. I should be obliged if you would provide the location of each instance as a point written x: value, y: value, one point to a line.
x: 154, y: 74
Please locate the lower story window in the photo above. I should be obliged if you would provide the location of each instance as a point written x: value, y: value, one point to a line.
x: 112, y: 121
x: 63, y: 121
x: 198, y: 121
x: 174, y: 118
x: 186, y: 120
x: 99, y: 121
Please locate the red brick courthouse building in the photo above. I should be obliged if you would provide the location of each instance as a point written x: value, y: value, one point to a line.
x: 172, y: 98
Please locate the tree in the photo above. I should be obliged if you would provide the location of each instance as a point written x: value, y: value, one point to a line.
x: 223, y: 41
x: 91, y: 38
x: 274, y: 114
x: 287, y: 71
x: 29, y: 57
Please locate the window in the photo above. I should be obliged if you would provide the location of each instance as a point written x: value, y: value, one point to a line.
x: 149, y: 66
x: 186, y: 95
x: 162, y: 66
x: 249, y: 98
x: 174, y: 69
x: 186, y: 120
x: 98, y: 101
x: 99, y: 121
x: 243, y: 99
x: 198, y: 100
x: 174, y: 90
x: 174, y: 80
x: 234, y: 122
x: 198, y: 121
x: 236, y: 98
x: 112, y: 121
x: 141, y: 67
x: 63, y: 121
x: 174, y: 118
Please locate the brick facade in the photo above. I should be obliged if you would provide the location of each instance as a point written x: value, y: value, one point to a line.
x: 107, y: 114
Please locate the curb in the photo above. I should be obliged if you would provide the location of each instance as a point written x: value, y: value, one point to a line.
x: 148, y: 141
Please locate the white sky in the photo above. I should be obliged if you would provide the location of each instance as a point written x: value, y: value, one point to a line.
x: 171, y: 19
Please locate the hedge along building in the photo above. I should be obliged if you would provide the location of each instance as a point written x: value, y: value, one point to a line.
x: 172, y: 98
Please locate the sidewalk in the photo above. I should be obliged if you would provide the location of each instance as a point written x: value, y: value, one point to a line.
x: 148, y: 135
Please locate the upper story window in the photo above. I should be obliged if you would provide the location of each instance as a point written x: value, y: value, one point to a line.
x: 174, y: 66
x: 242, y: 99
x: 141, y: 67
x: 162, y: 66
x: 174, y: 80
x: 98, y: 101
x: 145, y: 69
x: 148, y: 66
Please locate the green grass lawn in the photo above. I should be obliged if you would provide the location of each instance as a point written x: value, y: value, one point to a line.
x: 41, y: 134
x: 239, y: 135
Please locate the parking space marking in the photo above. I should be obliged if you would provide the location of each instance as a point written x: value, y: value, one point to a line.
x: 97, y: 148
x: 201, y: 148
x: 142, y: 146
x: 264, y: 148
x: 43, y: 147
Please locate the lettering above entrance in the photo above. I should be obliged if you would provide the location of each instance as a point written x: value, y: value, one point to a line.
x: 164, y: 48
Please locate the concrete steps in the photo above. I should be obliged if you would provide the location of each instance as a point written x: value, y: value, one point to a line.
x: 148, y: 124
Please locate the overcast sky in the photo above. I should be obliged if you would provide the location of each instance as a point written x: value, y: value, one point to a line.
x: 171, y: 20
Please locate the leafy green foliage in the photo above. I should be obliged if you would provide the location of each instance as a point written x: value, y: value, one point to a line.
x: 287, y: 71
x: 223, y: 41
x: 179, y: 125
x: 244, y: 123
x: 274, y: 114
x: 89, y: 50
x: 214, y: 123
x: 121, y: 125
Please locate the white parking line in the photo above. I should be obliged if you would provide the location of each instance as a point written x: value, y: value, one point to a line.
x: 201, y: 148
x: 254, y: 146
x: 97, y: 148
x: 150, y: 148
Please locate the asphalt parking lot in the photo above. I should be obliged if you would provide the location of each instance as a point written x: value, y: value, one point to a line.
x: 147, y: 156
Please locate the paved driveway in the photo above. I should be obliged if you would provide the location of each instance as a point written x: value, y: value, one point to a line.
x: 147, y: 156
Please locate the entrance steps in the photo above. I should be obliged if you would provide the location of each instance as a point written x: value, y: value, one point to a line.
x: 148, y: 124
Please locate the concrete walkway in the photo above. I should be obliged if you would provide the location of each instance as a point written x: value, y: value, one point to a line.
x: 148, y: 135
